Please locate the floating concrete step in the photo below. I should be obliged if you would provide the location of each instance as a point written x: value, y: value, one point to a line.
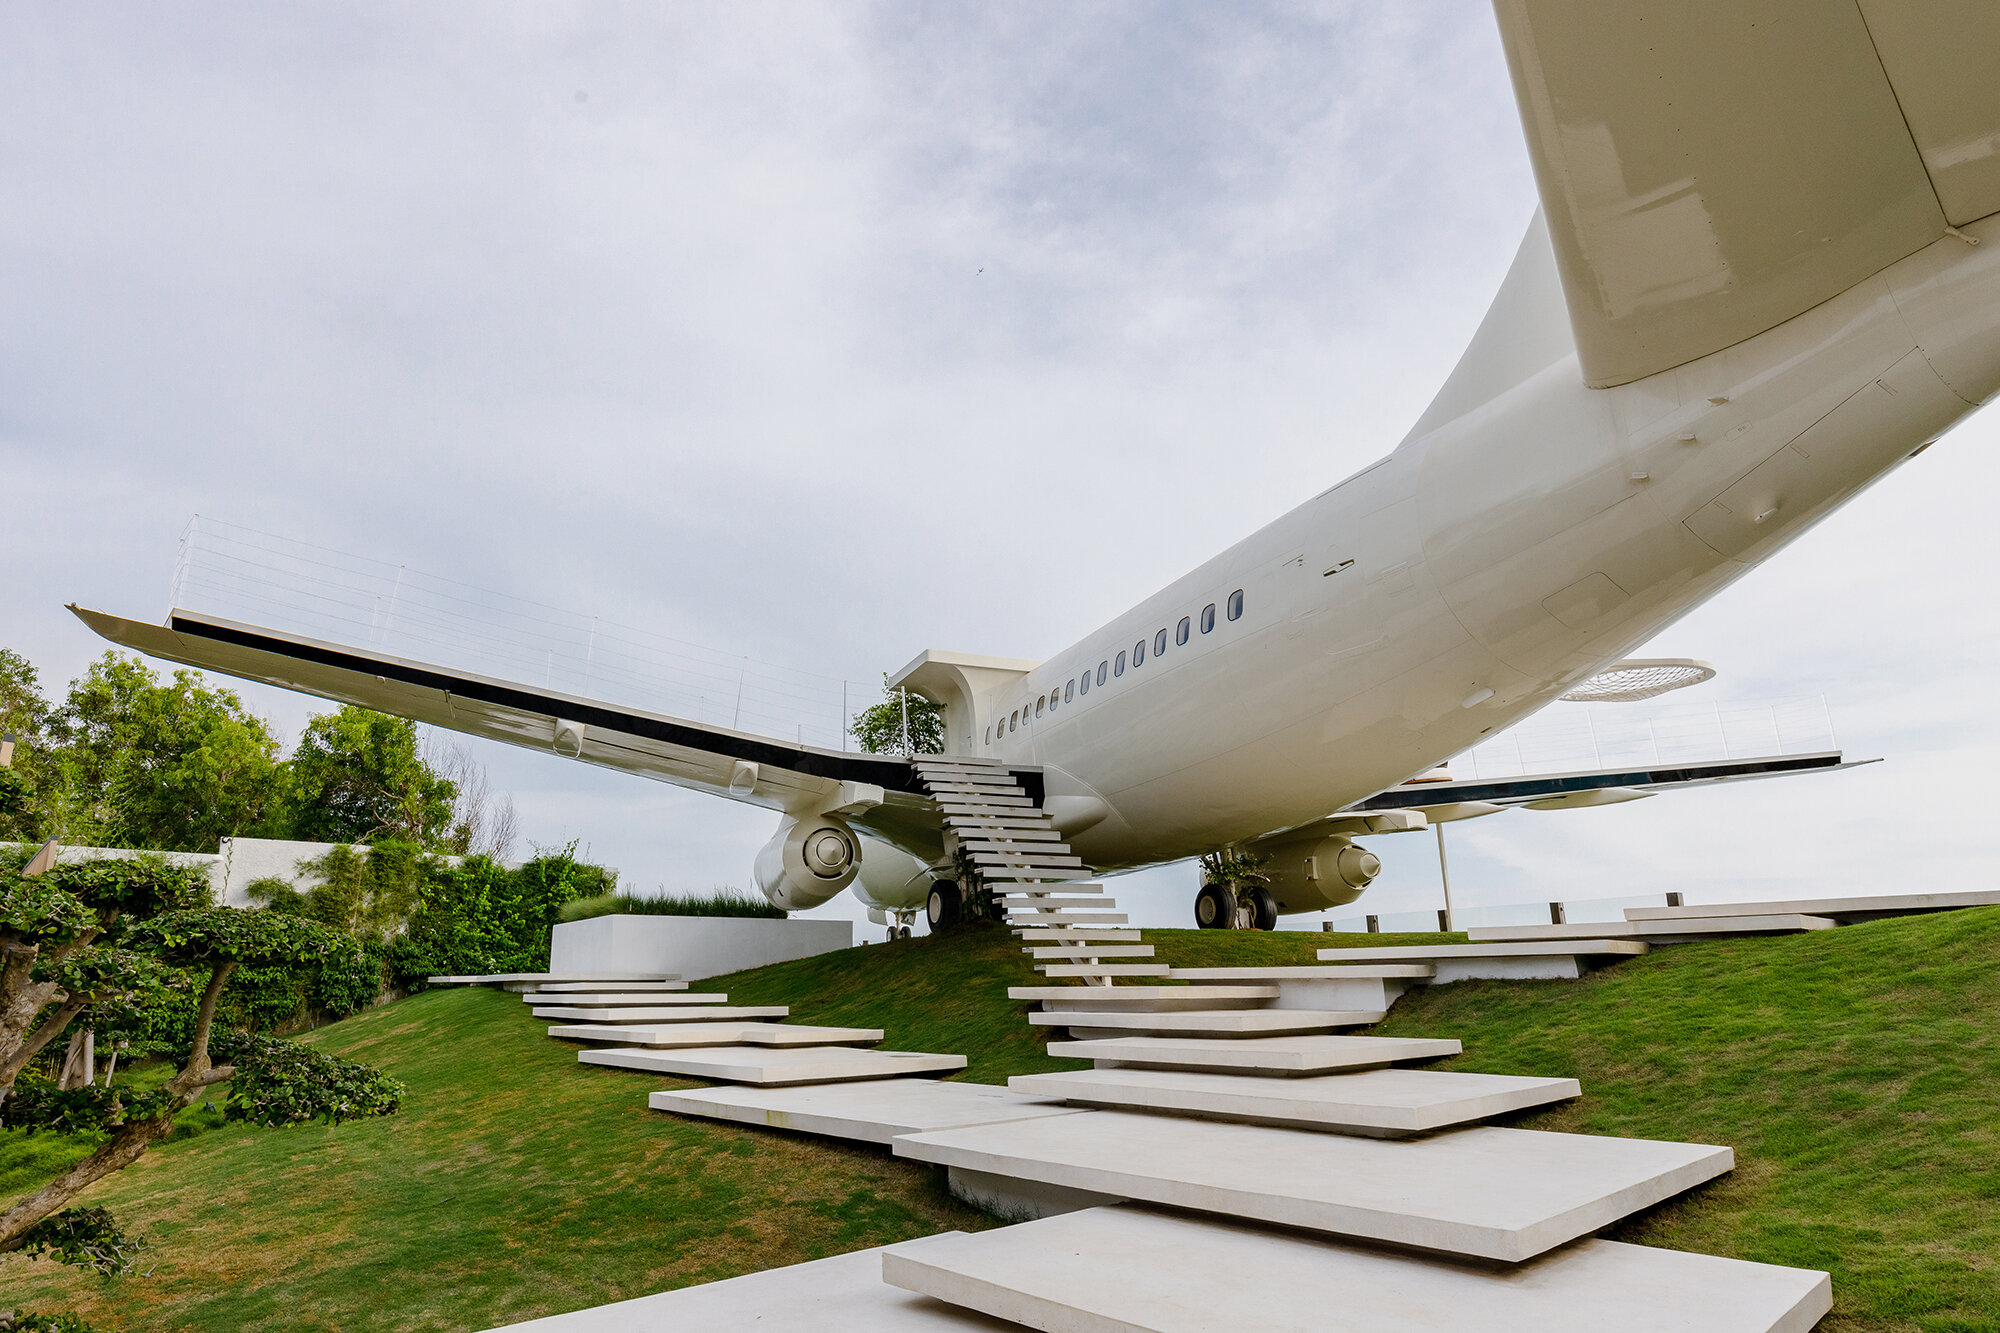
x: 1064, y: 934
x: 1138, y: 1271
x: 1038, y: 903
x: 1506, y: 961
x: 1869, y: 908
x: 1384, y: 1102
x: 529, y: 980
x: 1486, y: 1193
x: 1204, y: 1022
x: 1079, y: 952
x: 1102, y: 969
x: 762, y: 1065
x: 596, y: 987
x: 693, y: 1013
x: 844, y: 1294
x: 1066, y: 919
x: 1360, y: 986
x: 687, y: 1035
x: 1273, y: 976
x: 872, y: 1112
x: 624, y: 999
x: 1275, y: 1057
x: 1151, y: 998
x: 1673, y: 930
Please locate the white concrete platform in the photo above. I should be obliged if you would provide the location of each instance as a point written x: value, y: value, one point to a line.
x: 1486, y: 1193
x: 1153, y: 999
x: 1869, y: 908
x: 596, y: 987
x: 1133, y: 1270
x: 545, y: 978
x: 1204, y: 1022
x: 1503, y: 961
x: 771, y: 1067
x: 1674, y: 930
x: 681, y: 1036
x: 1281, y: 1057
x: 1383, y: 1102
x: 693, y: 1013
x: 624, y: 999
x: 872, y: 1112
x: 1308, y: 972
x: 1359, y: 986
x: 1102, y: 969
x: 844, y: 1294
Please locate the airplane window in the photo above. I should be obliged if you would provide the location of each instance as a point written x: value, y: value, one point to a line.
x: 1040, y: 704
x: 1160, y: 643
x: 1181, y: 631
x: 1100, y: 671
x: 1014, y: 721
x: 1055, y: 697
x: 1236, y: 604
x: 989, y: 735
x: 1138, y: 652
x: 1069, y: 690
x: 1118, y: 668
x: 1086, y: 684
x: 1208, y: 618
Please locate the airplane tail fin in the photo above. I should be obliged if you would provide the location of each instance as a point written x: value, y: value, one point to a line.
x: 1711, y: 168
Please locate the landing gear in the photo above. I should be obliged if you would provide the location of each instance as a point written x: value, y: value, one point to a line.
x: 1263, y: 909
x: 1215, y: 907
x: 901, y: 929
x: 945, y: 907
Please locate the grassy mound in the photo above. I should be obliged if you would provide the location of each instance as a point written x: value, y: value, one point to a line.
x: 1856, y: 1073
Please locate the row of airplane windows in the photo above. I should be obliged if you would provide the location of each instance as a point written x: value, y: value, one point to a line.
x: 1115, y: 666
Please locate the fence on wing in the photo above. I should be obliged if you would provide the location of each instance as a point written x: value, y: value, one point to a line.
x: 295, y: 587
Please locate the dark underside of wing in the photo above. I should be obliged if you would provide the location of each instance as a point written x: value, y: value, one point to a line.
x: 1552, y: 786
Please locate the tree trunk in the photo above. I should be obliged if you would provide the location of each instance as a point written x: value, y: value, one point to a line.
x: 79, y: 1067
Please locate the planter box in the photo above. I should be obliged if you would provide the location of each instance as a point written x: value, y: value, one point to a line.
x: 690, y: 947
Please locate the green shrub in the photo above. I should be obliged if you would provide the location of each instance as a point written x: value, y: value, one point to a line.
x: 723, y: 901
x: 281, y: 1082
x: 26, y: 1321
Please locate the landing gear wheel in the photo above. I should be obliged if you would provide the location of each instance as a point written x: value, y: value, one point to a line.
x: 1263, y: 910
x: 945, y: 907
x: 902, y: 932
x: 1215, y: 908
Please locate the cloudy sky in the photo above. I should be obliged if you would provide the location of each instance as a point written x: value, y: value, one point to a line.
x: 828, y: 334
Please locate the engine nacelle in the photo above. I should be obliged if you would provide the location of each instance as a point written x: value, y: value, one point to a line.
x: 1314, y: 873
x: 807, y: 861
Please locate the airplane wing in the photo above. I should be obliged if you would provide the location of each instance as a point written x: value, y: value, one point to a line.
x: 1711, y: 168
x: 757, y: 770
x: 1442, y: 801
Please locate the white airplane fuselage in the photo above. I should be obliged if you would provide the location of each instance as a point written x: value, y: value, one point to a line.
x: 1527, y: 533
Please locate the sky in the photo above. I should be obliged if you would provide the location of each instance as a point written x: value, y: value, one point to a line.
x: 828, y: 334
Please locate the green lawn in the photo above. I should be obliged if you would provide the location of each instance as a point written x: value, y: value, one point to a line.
x: 1856, y: 1072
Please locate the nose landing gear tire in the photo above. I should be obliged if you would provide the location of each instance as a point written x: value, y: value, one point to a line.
x: 945, y: 907
x: 1215, y: 908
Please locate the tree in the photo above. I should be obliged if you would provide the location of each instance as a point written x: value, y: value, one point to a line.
x: 903, y: 723
x: 359, y: 775
x: 24, y: 714
x: 166, y: 766
x: 280, y: 1083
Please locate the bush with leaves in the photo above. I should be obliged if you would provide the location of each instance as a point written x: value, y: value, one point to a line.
x: 85, y: 1238
x: 903, y: 723
x: 24, y: 1321
x: 280, y: 1082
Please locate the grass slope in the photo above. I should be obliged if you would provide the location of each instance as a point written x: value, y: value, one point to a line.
x: 1856, y: 1073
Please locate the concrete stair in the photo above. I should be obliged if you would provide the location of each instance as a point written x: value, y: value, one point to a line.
x: 525, y: 981
x: 869, y: 1112
x: 1843, y: 910
x: 1383, y: 1102
x: 1498, y: 1194
x: 1153, y: 999
x: 1135, y: 1270
x: 774, y: 1066
x: 1359, y: 986
x: 606, y: 987
x: 1086, y: 1023
x: 691, y: 1013
x: 622, y: 999
x: 1669, y: 930
x: 1522, y: 960
x: 687, y: 1035
x: 1261, y: 1057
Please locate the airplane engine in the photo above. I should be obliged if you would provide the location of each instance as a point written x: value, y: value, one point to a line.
x: 807, y: 861
x: 1315, y: 873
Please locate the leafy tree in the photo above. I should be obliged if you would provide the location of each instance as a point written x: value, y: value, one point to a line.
x: 216, y: 941
x: 903, y: 723
x: 23, y: 716
x: 163, y: 765
x: 359, y: 776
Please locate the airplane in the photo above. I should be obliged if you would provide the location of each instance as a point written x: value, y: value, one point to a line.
x: 1765, y: 272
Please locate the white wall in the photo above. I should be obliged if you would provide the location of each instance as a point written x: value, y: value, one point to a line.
x: 690, y: 947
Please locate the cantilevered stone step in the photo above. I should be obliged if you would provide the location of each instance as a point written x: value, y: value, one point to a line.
x: 1486, y: 1193
x: 872, y: 1112
x: 1152, y: 998
x: 525, y: 979
x: 1102, y: 969
x: 1359, y: 986
x: 844, y: 1294
x: 1023, y: 904
x: 1867, y: 908
x: 1671, y: 930
x: 1385, y: 1102
x: 1072, y: 917
x: 1090, y: 950
x: 680, y: 1036
x: 1522, y: 960
x: 1062, y: 935
x: 762, y: 1065
x: 693, y: 1013
x: 1205, y: 1022
x: 607, y: 987
x: 1134, y: 1270
x: 624, y: 1000
x: 1272, y: 976
x: 1279, y: 1057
